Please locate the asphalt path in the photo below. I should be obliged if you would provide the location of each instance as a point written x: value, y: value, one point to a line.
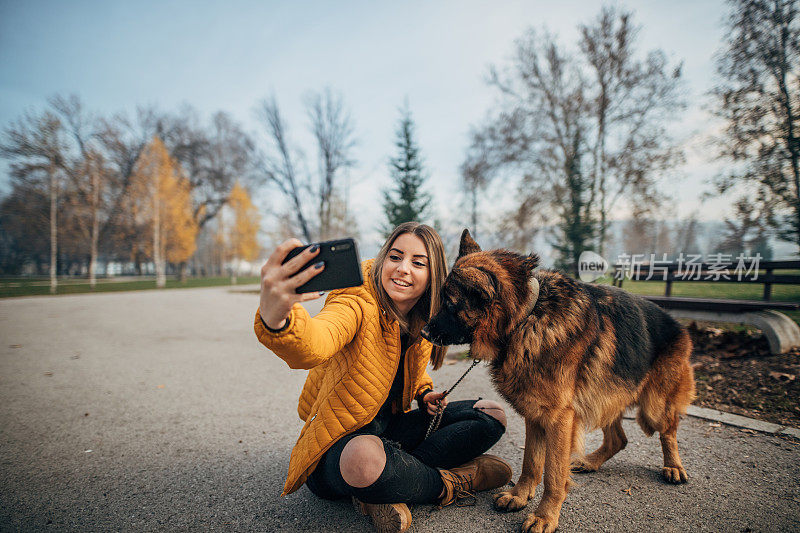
x: 160, y: 411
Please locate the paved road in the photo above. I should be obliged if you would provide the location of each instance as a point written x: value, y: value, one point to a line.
x: 159, y: 410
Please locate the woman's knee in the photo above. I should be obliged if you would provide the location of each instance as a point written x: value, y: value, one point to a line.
x: 493, y: 409
x: 362, y: 461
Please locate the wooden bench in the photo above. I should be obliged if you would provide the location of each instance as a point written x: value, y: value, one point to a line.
x: 781, y: 332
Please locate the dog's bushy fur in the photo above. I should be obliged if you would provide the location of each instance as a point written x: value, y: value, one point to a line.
x: 574, y: 360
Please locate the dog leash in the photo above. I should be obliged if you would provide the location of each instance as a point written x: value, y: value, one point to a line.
x: 437, y: 417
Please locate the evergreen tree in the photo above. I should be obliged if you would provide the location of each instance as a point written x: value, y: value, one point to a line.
x: 576, y: 229
x: 406, y: 201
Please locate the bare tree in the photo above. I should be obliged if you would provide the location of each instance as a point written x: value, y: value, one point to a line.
x: 213, y: 157
x: 639, y: 234
x: 122, y: 140
x: 518, y: 227
x: 580, y: 132
x: 540, y: 135
x: 35, y: 145
x: 745, y: 231
x: 279, y: 163
x: 83, y: 165
x: 497, y: 145
x: 333, y: 130
x: 759, y: 98
x: 632, y: 101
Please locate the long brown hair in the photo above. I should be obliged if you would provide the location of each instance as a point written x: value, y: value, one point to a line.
x: 428, y: 304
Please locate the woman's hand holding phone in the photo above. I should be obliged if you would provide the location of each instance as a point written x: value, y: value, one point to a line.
x: 279, y: 281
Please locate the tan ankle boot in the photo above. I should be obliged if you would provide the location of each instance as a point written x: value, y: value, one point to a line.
x: 482, y: 473
x: 387, y: 517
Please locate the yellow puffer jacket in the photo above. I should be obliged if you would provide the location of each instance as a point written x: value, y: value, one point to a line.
x: 353, y: 351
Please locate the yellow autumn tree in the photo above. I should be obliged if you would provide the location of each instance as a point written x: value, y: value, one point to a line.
x: 162, y: 202
x: 243, y: 233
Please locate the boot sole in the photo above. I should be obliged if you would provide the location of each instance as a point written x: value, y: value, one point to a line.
x: 387, y: 517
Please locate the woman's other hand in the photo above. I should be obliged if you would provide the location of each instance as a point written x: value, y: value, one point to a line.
x: 279, y: 281
x: 430, y: 400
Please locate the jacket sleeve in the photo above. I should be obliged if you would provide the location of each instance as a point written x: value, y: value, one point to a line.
x: 425, y: 382
x: 306, y: 342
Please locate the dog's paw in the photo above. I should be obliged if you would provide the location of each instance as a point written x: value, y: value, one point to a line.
x: 676, y: 475
x: 508, y: 501
x: 580, y: 466
x: 539, y: 524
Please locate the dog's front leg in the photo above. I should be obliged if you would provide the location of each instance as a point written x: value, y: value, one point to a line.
x: 558, y: 439
x: 532, y: 465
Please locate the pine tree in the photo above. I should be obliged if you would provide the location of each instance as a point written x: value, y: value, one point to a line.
x: 407, y: 200
x: 575, y: 230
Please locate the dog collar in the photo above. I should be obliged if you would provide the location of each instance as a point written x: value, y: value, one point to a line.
x: 532, y: 299
x: 534, y: 285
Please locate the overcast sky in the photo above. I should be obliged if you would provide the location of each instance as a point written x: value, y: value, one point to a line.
x: 228, y: 55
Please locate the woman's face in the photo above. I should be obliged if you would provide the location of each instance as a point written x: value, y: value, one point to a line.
x: 405, y: 273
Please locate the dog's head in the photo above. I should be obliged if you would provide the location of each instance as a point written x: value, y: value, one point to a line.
x: 481, y: 298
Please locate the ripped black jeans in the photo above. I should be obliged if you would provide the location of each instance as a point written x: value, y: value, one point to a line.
x: 411, y: 473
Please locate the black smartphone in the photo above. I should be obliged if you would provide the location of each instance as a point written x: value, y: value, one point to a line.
x: 342, y: 266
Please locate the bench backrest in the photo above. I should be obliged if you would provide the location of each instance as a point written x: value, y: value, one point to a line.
x: 742, y: 271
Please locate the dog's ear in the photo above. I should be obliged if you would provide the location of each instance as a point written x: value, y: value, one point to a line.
x: 480, y: 281
x: 468, y: 245
x: 531, y: 262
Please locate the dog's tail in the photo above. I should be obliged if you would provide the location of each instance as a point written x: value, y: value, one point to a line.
x: 669, y: 387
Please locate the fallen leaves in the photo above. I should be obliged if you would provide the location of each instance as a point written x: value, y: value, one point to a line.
x: 735, y: 372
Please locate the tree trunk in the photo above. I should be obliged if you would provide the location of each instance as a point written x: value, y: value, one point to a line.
x: 602, y: 171
x: 157, y: 259
x: 95, y: 228
x: 183, y: 269
x: 53, y: 231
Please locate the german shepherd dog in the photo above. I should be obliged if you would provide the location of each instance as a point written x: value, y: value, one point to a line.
x: 568, y: 356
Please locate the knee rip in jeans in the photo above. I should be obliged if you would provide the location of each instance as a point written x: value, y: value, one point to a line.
x: 362, y: 461
x: 493, y: 409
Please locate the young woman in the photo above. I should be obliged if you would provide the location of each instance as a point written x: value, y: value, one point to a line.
x: 367, y: 362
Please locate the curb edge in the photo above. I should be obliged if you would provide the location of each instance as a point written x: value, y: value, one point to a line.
x: 731, y: 419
